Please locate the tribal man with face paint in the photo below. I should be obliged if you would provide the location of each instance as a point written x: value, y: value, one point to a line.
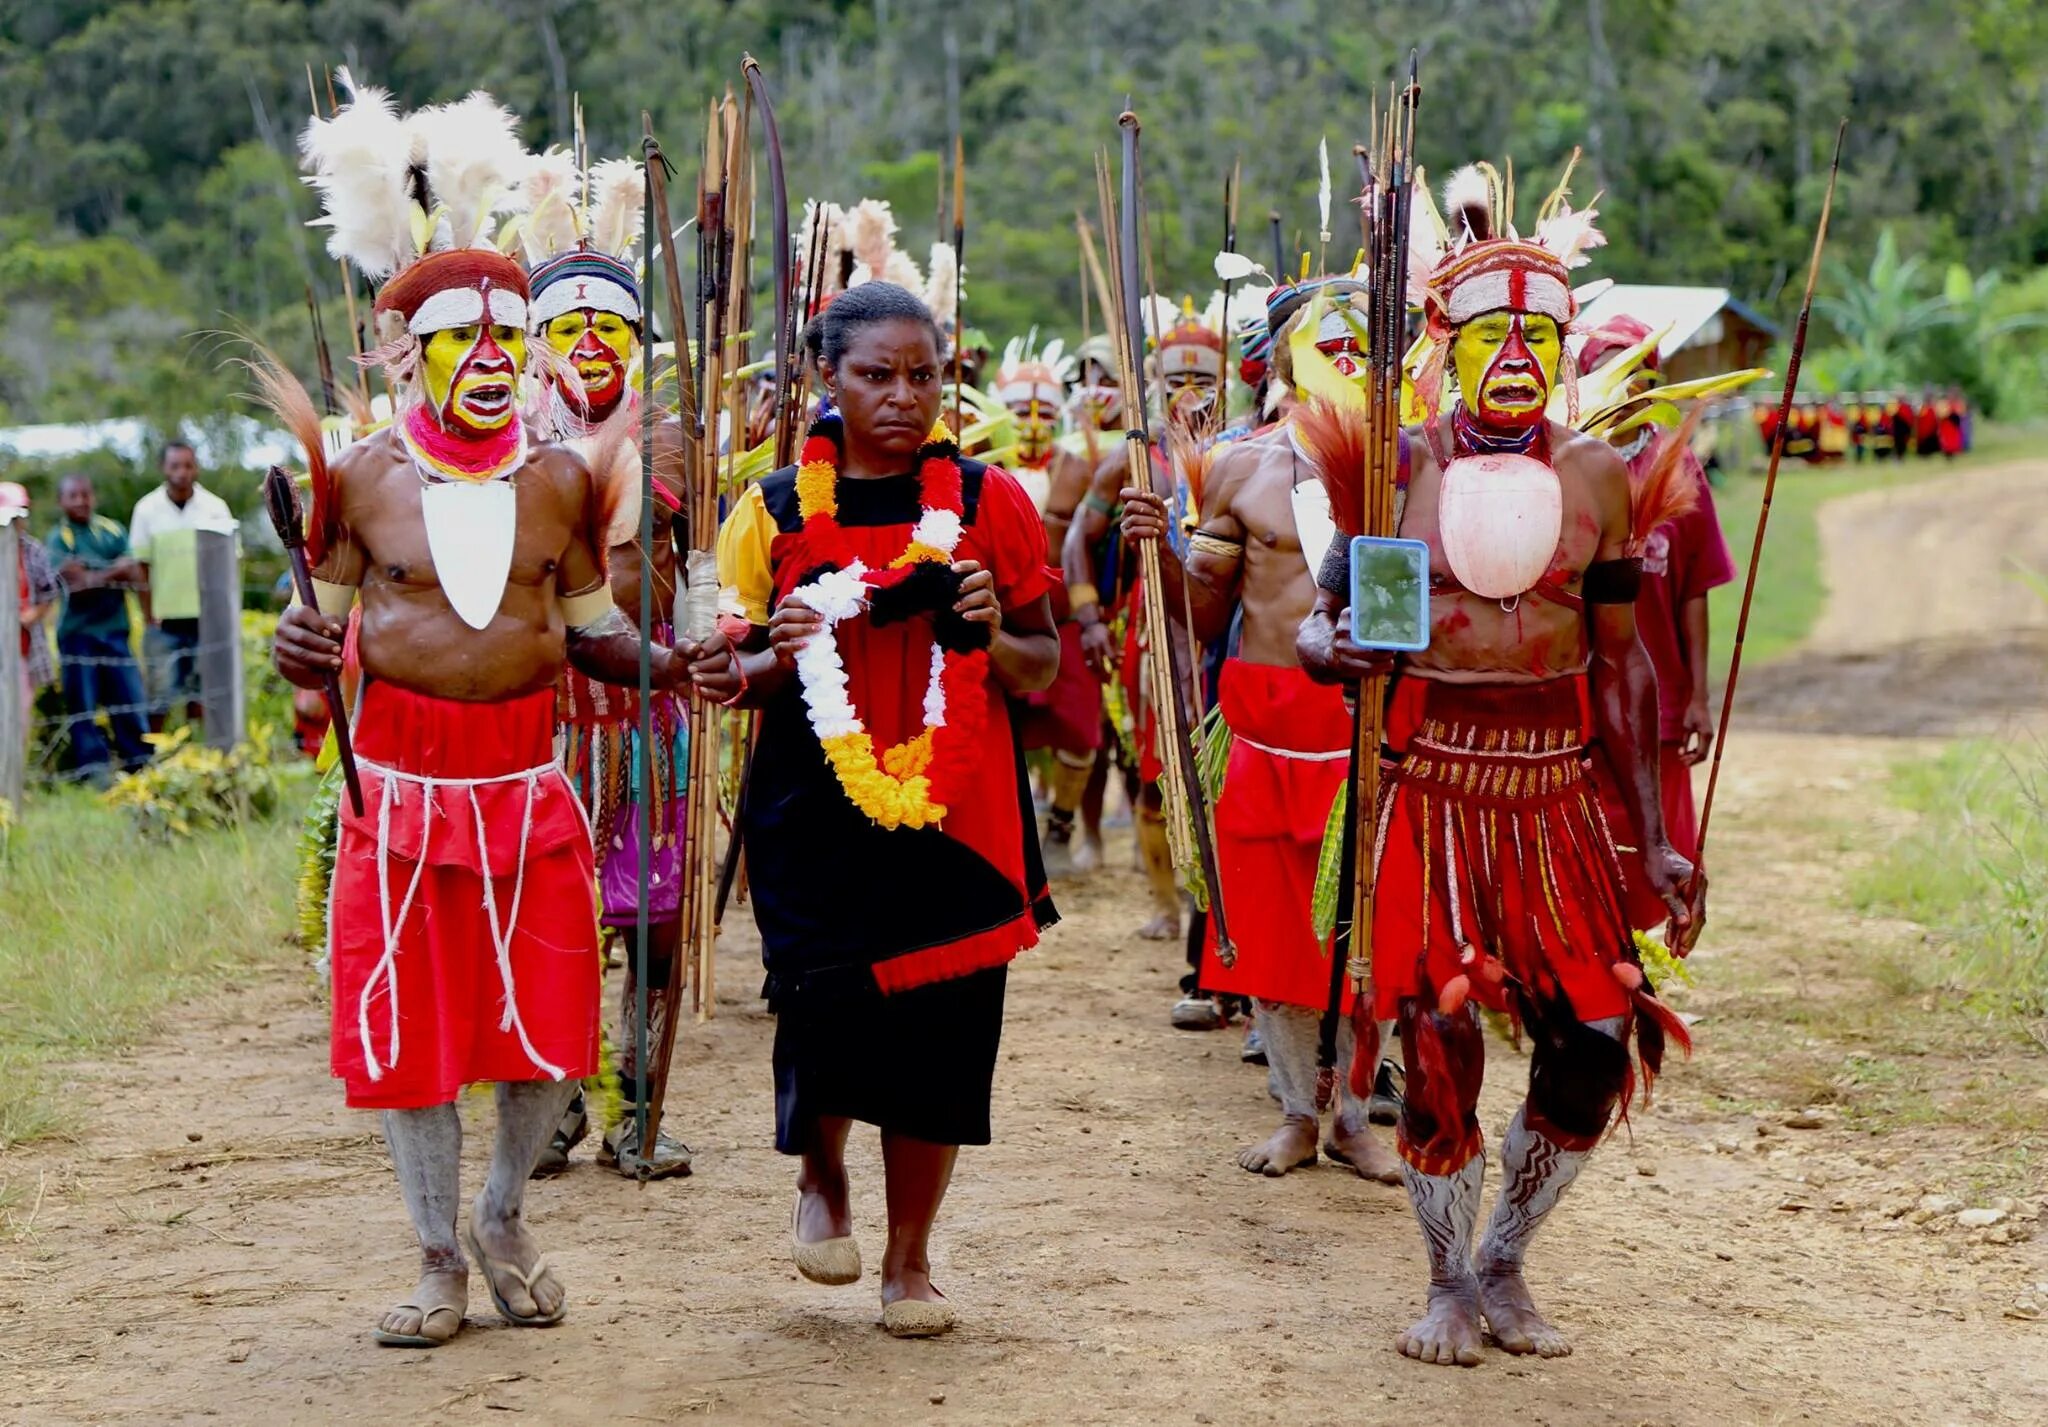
x: 1066, y: 719
x: 1264, y: 526
x: 586, y: 307
x: 462, y: 942
x: 1498, y: 881
x: 1188, y: 365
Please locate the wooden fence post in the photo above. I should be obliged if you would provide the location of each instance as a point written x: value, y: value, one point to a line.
x: 220, y: 638
x: 13, y: 712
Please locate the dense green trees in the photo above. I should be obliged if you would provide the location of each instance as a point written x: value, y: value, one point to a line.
x: 147, y: 192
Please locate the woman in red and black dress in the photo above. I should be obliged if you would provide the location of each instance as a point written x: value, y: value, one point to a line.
x: 887, y: 947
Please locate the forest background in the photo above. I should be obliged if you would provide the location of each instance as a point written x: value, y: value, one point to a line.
x: 149, y: 198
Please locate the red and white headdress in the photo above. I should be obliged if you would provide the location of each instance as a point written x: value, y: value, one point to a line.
x: 1193, y: 343
x: 1026, y: 374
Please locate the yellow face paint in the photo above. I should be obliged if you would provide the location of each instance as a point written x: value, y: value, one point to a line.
x: 1034, y: 431
x: 1506, y: 363
x: 601, y: 347
x: 472, y: 376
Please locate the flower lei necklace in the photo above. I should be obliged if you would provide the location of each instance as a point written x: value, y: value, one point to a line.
x: 904, y: 787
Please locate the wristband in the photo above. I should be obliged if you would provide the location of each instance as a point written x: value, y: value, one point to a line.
x: 739, y: 667
x: 1081, y: 594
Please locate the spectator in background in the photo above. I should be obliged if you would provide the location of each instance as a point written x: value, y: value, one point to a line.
x: 1682, y: 560
x: 93, y: 644
x: 37, y: 591
x: 163, y: 534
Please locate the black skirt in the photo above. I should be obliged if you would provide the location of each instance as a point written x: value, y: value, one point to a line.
x: 919, y: 1062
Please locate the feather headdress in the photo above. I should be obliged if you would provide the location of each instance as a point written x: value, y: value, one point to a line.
x: 474, y: 164
x: 360, y: 163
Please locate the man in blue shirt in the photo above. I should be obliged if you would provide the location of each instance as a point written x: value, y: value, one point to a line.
x: 93, y: 560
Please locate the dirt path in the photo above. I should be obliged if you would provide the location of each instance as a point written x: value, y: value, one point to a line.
x: 221, y: 1239
x: 1929, y: 627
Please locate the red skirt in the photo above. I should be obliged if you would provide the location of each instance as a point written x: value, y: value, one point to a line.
x: 1496, y: 868
x: 462, y: 927
x: 1681, y: 812
x: 1068, y: 716
x: 1290, y: 754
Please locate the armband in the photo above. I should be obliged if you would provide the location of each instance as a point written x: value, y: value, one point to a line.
x: 1096, y: 503
x: 334, y: 601
x: 1201, y: 542
x: 587, y: 608
x: 1613, y: 581
x: 1334, y: 574
x: 1081, y: 594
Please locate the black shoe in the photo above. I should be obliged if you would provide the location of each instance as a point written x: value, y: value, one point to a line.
x: 1254, y: 1052
x: 1385, y: 1106
x: 570, y: 1133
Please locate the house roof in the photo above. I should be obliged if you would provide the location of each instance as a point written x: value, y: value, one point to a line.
x: 1693, y: 314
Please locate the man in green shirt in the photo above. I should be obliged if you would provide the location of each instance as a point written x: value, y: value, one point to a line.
x: 93, y: 560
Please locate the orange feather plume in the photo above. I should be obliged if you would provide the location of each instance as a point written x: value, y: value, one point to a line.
x: 280, y: 392
x: 1338, y: 439
x: 1667, y: 491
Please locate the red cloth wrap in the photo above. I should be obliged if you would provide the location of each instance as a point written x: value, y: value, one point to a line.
x: 1490, y: 828
x: 1068, y: 716
x: 1269, y: 831
x: 1137, y: 690
x: 451, y: 995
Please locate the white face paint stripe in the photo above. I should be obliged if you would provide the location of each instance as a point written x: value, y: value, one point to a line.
x: 464, y: 307
x: 1491, y: 292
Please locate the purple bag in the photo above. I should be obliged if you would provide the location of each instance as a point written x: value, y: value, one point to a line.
x: 618, y: 873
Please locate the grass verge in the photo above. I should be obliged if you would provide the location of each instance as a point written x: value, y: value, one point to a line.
x: 101, y: 932
x: 1974, y: 869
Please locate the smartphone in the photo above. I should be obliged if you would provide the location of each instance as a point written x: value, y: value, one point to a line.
x: 1389, y: 593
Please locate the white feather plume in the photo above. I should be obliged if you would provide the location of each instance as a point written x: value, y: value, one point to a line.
x: 618, y: 202
x: 1159, y: 314
x: 1427, y: 240
x: 1235, y: 267
x: 871, y: 233
x: 1056, y: 356
x: 1323, y: 190
x: 357, y: 162
x: 475, y: 163
x: 941, y: 291
x: 1571, y: 235
x: 549, y: 199
x: 1468, y: 204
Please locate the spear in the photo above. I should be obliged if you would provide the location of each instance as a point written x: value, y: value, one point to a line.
x: 1763, y: 514
x: 1230, y: 182
x: 1166, y: 657
x: 320, y: 352
x: 1279, y: 246
x: 959, y: 270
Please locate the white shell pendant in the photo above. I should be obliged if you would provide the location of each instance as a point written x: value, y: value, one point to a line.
x: 470, y: 526
x: 1500, y: 516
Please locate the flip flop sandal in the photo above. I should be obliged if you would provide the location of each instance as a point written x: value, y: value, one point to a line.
x: 527, y: 1278
x: 388, y: 1339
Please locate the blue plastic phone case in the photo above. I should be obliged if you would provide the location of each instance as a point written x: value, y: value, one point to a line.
x: 1389, y: 593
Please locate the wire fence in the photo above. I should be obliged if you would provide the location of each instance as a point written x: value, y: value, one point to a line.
x: 169, y: 687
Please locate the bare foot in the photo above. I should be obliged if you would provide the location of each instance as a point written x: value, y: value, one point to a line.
x: 1512, y: 1315
x: 1357, y: 1146
x: 431, y: 1315
x: 1087, y: 852
x: 1164, y: 927
x: 1291, y: 1146
x: 1449, y: 1332
x: 824, y: 1207
x: 523, y: 1287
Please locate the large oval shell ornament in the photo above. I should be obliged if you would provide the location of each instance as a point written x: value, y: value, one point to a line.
x: 1500, y: 515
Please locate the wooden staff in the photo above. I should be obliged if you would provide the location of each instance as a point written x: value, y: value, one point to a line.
x: 1763, y: 514
x: 1165, y: 657
x: 1230, y: 184
x: 281, y: 500
x: 320, y: 352
x: 1387, y: 206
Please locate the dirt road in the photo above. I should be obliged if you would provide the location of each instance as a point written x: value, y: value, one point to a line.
x: 218, y: 1243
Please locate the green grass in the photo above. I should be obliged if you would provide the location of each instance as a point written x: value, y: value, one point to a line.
x: 1974, y: 869
x: 101, y: 933
x: 1790, y: 591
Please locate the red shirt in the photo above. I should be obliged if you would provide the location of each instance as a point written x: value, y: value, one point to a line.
x: 1683, y: 560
